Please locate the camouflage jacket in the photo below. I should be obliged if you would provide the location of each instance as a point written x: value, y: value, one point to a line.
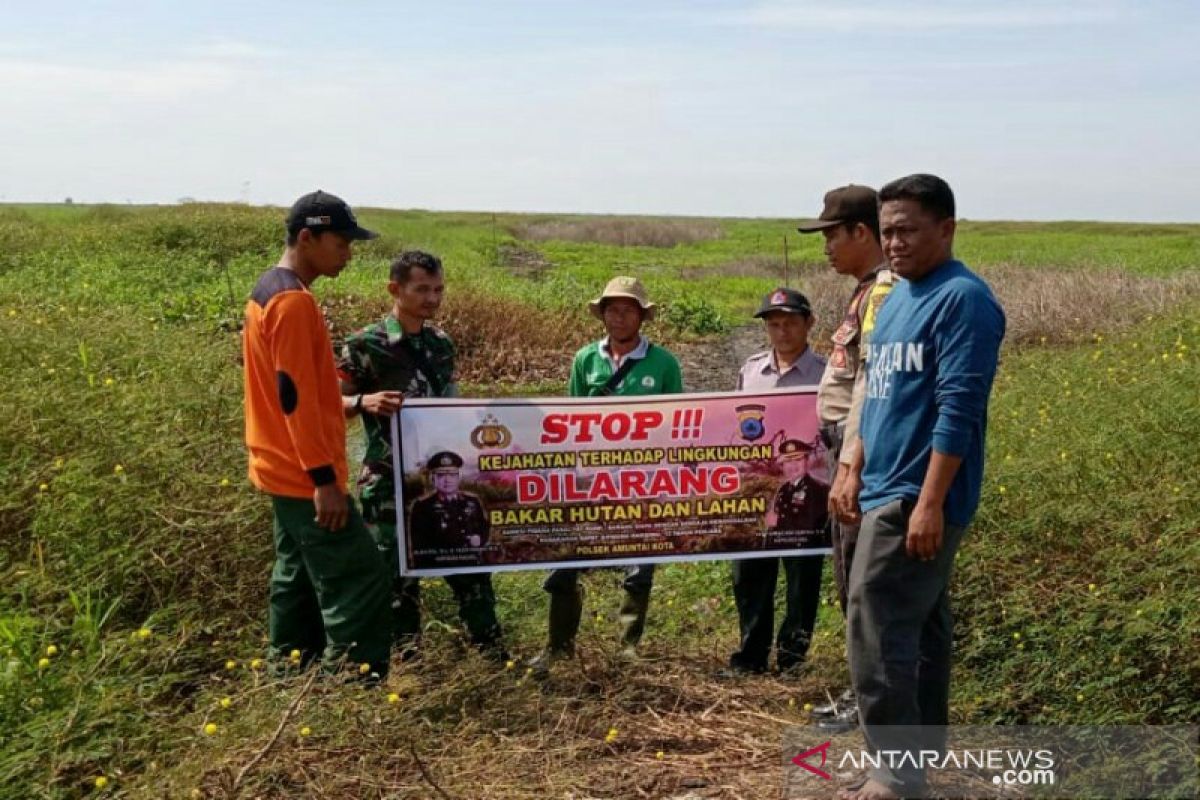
x: 382, y: 357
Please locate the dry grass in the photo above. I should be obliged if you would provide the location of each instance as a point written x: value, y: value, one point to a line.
x: 460, y: 719
x: 500, y: 340
x: 1043, y: 306
x: 1062, y: 306
x: 622, y: 231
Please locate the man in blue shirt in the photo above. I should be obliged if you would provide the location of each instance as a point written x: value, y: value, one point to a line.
x: 931, y: 360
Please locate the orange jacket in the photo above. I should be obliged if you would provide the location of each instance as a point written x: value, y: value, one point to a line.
x: 295, y: 427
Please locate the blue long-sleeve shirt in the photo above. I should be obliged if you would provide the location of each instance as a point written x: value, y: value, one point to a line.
x: 931, y: 361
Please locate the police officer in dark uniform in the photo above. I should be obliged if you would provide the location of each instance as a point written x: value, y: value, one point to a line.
x: 447, y: 519
x: 800, y: 505
x: 797, y: 515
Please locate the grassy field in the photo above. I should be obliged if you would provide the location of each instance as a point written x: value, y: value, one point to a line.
x: 134, y: 556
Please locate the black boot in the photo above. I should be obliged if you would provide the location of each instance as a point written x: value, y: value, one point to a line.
x: 566, y: 609
x: 633, y: 621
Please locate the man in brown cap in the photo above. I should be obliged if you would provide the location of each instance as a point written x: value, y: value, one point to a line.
x: 850, y: 224
x: 624, y: 362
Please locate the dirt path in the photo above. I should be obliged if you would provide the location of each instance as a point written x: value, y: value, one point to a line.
x: 712, y: 366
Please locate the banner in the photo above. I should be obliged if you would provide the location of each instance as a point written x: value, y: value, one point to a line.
x: 492, y: 485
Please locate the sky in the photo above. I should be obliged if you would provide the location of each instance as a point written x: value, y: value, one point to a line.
x: 1074, y: 109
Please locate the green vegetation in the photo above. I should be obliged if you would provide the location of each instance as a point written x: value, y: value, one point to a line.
x: 134, y: 557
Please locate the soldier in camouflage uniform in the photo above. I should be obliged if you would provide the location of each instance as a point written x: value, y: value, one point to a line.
x: 405, y: 355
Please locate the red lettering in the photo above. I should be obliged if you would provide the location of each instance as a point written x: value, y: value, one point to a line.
x: 584, y: 423
x: 633, y: 484
x: 530, y: 488
x: 692, y: 481
x: 663, y: 483
x: 725, y: 479
x: 643, y: 423
x: 554, y: 428
x: 603, y: 487
x: 615, y: 427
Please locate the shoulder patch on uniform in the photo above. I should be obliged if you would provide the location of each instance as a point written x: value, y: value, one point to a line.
x: 275, y: 281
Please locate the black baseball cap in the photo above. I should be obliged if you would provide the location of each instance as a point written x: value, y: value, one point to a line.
x: 320, y: 211
x: 444, y: 459
x: 783, y: 299
x: 844, y: 204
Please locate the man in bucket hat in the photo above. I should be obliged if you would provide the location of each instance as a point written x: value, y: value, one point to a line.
x: 624, y: 362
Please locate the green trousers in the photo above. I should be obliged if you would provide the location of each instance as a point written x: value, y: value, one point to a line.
x: 329, y: 590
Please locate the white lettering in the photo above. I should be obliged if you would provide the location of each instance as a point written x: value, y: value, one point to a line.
x: 915, y: 357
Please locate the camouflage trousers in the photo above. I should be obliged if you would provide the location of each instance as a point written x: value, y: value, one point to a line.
x: 476, y: 599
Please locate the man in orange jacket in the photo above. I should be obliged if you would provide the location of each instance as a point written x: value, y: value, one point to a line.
x: 329, y: 588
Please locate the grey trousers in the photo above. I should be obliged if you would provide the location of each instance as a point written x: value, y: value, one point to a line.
x: 843, y: 535
x: 899, y: 640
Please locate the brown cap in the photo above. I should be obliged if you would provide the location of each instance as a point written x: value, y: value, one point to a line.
x: 844, y: 204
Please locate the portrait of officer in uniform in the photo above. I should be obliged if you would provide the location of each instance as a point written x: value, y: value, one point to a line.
x: 800, y: 503
x: 446, y: 518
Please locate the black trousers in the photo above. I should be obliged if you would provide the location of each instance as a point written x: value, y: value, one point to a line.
x: 754, y: 592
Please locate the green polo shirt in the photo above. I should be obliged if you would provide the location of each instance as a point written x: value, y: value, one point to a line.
x: 655, y: 371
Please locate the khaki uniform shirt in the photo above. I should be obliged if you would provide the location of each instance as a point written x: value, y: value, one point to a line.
x: 843, y: 386
x: 759, y: 372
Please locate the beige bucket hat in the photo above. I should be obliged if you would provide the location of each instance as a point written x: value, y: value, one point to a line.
x: 627, y: 287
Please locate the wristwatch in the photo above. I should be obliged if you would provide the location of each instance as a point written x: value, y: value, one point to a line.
x: 358, y: 404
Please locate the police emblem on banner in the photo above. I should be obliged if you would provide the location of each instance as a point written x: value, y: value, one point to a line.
x: 491, y: 435
x: 750, y: 421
